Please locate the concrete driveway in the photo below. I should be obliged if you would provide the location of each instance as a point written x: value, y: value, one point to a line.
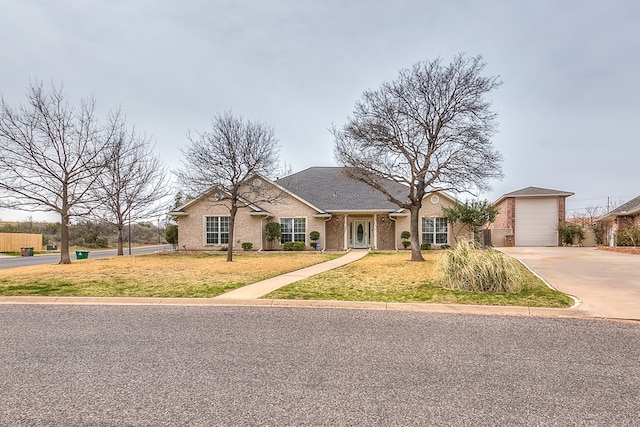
x: 606, y: 283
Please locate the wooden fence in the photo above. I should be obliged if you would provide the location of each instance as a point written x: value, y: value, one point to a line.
x: 12, y: 242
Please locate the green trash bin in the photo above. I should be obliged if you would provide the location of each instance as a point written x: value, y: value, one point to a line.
x: 26, y: 251
x: 82, y: 254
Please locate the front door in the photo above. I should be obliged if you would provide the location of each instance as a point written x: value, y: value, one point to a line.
x: 360, y: 234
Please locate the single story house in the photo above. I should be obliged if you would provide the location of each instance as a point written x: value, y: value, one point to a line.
x: 529, y: 217
x: 626, y: 215
x: 346, y: 212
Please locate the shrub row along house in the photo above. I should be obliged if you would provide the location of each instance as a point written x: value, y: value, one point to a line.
x: 346, y: 212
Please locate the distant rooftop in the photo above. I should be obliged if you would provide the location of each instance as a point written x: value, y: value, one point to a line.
x: 630, y: 208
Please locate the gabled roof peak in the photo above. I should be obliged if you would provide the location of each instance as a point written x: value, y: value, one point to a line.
x: 537, y: 191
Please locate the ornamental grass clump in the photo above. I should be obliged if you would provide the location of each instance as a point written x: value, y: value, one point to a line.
x: 468, y: 268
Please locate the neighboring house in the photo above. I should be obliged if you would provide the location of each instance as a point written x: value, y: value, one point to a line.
x: 529, y: 217
x: 346, y: 212
x: 627, y: 215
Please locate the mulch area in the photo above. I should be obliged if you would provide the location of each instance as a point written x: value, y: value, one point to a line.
x: 621, y: 249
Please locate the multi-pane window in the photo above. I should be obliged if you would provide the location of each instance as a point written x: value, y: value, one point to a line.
x: 434, y: 230
x: 217, y: 230
x: 293, y: 230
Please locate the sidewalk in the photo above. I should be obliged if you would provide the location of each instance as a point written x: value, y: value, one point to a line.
x: 259, y: 289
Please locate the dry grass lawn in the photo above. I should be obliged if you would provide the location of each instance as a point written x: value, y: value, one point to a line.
x: 392, y: 277
x: 162, y: 275
x: 384, y: 277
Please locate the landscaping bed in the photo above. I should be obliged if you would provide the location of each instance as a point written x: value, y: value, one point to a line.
x: 620, y: 249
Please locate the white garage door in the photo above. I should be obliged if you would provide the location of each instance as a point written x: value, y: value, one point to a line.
x: 537, y: 222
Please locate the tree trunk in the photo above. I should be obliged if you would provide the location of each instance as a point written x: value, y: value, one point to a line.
x: 232, y: 220
x: 64, y: 239
x: 416, y: 253
x: 120, y: 239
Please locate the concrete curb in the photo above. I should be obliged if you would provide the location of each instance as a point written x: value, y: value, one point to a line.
x: 277, y: 303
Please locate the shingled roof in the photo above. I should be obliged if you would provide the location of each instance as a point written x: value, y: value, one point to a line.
x: 535, y: 192
x: 333, y: 190
x: 632, y: 207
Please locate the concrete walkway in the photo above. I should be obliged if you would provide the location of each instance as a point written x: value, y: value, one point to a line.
x: 259, y: 289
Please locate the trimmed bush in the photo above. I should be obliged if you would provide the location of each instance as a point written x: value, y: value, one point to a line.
x: 425, y: 246
x: 467, y: 268
x: 247, y: 246
x: 405, y: 236
x: 314, y: 236
x: 294, y: 246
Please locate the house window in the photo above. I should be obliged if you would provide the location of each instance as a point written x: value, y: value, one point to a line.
x: 293, y: 230
x: 217, y: 230
x: 435, y: 230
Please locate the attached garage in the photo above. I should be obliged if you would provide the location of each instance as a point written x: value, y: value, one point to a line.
x: 536, y: 222
x: 530, y: 217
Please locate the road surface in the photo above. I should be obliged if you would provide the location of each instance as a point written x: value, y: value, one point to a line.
x: 21, y: 261
x: 237, y: 366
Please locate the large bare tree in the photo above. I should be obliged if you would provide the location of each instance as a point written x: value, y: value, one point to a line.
x: 132, y: 183
x: 221, y: 161
x: 429, y: 129
x: 52, y: 154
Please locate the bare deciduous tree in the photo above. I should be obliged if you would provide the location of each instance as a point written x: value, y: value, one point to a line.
x: 132, y: 183
x: 52, y: 156
x: 429, y: 129
x: 587, y: 216
x: 221, y: 161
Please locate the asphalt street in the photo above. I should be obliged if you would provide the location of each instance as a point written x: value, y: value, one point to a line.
x: 22, y: 261
x: 151, y: 365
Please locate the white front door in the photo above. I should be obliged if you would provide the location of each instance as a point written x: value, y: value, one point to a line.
x: 360, y: 234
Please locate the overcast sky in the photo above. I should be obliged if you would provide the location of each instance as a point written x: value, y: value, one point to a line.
x: 568, y: 107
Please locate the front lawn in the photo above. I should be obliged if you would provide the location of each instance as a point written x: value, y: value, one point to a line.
x: 163, y: 275
x: 391, y: 277
x: 381, y: 277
